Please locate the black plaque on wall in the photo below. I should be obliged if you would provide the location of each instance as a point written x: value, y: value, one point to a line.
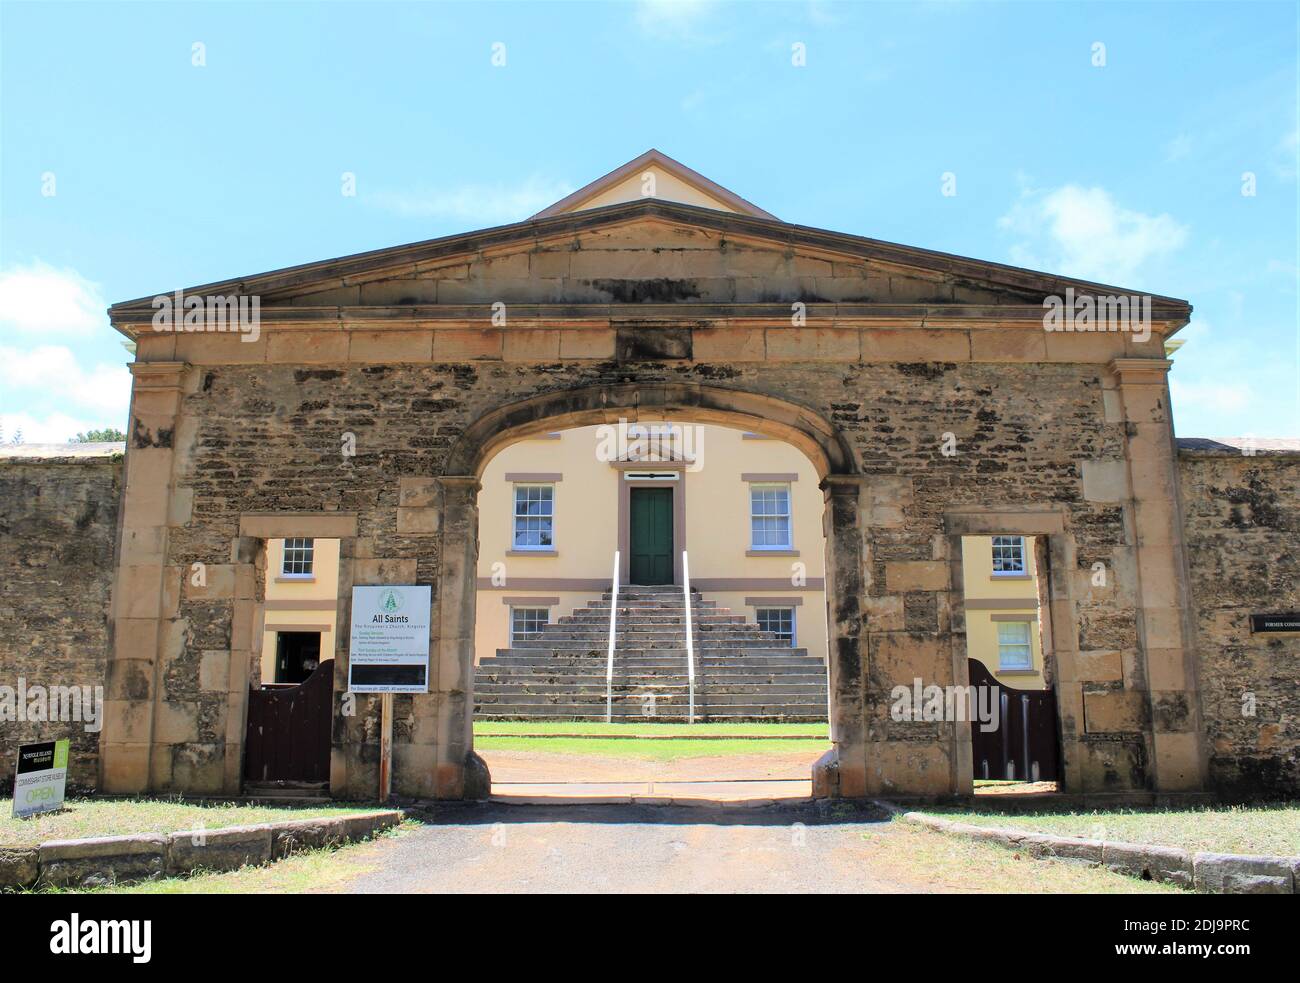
x: 1275, y: 622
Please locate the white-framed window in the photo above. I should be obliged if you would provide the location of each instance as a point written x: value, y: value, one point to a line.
x: 527, y: 622
x: 299, y: 557
x: 1009, y: 556
x: 534, y: 517
x: 1014, y: 648
x: 769, y: 517
x: 778, y: 620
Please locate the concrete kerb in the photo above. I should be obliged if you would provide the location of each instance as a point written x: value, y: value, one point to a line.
x: 107, y: 860
x: 1207, y: 873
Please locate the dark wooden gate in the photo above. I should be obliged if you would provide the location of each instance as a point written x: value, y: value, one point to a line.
x: 289, y: 730
x: 1024, y: 746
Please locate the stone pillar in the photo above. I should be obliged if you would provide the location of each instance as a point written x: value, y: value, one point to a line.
x: 1165, y: 628
x: 842, y: 771
x: 458, y: 772
x: 146, y: 591
x: 248, y: 618
x: 344, y: 767
x: 909, y: 638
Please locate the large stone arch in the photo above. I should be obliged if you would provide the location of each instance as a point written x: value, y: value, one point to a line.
x: 460, y: 772
x: 801, y: 426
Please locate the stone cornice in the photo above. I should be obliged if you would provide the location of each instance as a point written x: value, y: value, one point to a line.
x: 138, y: 322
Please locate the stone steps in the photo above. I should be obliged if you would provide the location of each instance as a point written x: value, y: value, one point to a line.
x: 634, y: 710
x: 671, y: 658
x: 742, y: 672
x: 497, y: 677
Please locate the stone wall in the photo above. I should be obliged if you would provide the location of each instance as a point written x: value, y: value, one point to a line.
x: 265, y: 438
x: 1242, y: 527
x: 58, y: 533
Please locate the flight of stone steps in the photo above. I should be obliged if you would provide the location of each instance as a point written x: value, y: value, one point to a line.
x: 741, y: 672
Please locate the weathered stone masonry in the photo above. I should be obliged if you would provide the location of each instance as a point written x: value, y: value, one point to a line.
x: 58, y: 527
x: 658, y: 309
x: 1242, y: 516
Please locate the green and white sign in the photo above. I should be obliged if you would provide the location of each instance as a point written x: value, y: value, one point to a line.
x: 389, y: 651
x: 40, y: 778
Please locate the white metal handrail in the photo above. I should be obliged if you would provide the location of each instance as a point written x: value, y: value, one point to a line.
x: 690, y: 643
x: 609, y: 659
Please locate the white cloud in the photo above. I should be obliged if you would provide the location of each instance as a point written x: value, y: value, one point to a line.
x: 1217, y: 397
x: 55, y: 428
x: 674, y: 20
x: 1286, y: 156
x: 39, y: 299
x: 104, y: 390
x: 822, y: 13
x: 479, y: 204
x: 1085, y: 233
x: 693, y: 101
x: 1178, y: 148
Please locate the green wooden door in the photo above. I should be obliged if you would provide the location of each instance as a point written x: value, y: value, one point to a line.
x: 652, y: 536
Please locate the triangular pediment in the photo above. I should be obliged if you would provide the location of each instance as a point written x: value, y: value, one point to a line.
x: 654, y: 175
x: 648, y: 251
x: 655, y: 261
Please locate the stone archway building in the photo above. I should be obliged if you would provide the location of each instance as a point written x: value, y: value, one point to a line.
x: 923, y: 385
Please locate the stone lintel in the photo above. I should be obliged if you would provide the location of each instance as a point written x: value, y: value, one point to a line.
x: 281, y: 525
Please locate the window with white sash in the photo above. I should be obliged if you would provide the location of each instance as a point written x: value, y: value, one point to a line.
x: 299, y: 558
x: 777, y: 620
x: 769, y: 517
x: 534, y: 517
x: 1014, y: 648
x: 527, y: 622
x: 1009, y: 556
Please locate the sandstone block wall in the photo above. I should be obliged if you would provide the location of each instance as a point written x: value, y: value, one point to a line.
x: 1023, y: 438
x: 1242, y: 528
x: 58, y: 532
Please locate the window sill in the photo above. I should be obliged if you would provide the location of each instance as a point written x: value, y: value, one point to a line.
x: 532, y: 552
x: 772, y: 552
x: 1010, y: 576
x: 1018, y: 672
x: 296, y: 578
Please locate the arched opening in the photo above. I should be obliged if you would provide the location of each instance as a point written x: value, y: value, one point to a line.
x: 514, y: 588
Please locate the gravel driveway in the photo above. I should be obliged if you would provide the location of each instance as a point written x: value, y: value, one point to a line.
x: 808, y: 848
x: 628, y: 848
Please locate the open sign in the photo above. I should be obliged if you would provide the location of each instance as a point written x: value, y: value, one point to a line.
x: 40, y: 778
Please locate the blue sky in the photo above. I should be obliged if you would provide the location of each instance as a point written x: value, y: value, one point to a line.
x: 165, y: 174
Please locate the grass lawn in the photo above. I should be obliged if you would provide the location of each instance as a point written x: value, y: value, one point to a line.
x: 113, y: 817
x: 647, y: 750
x: 486, y: 727
x: 1259, y: 829
x: 948, y: 863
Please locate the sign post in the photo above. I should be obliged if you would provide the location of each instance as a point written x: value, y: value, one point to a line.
x: 389, y: 653
x: 385, y: 746
x: 40, y: 778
